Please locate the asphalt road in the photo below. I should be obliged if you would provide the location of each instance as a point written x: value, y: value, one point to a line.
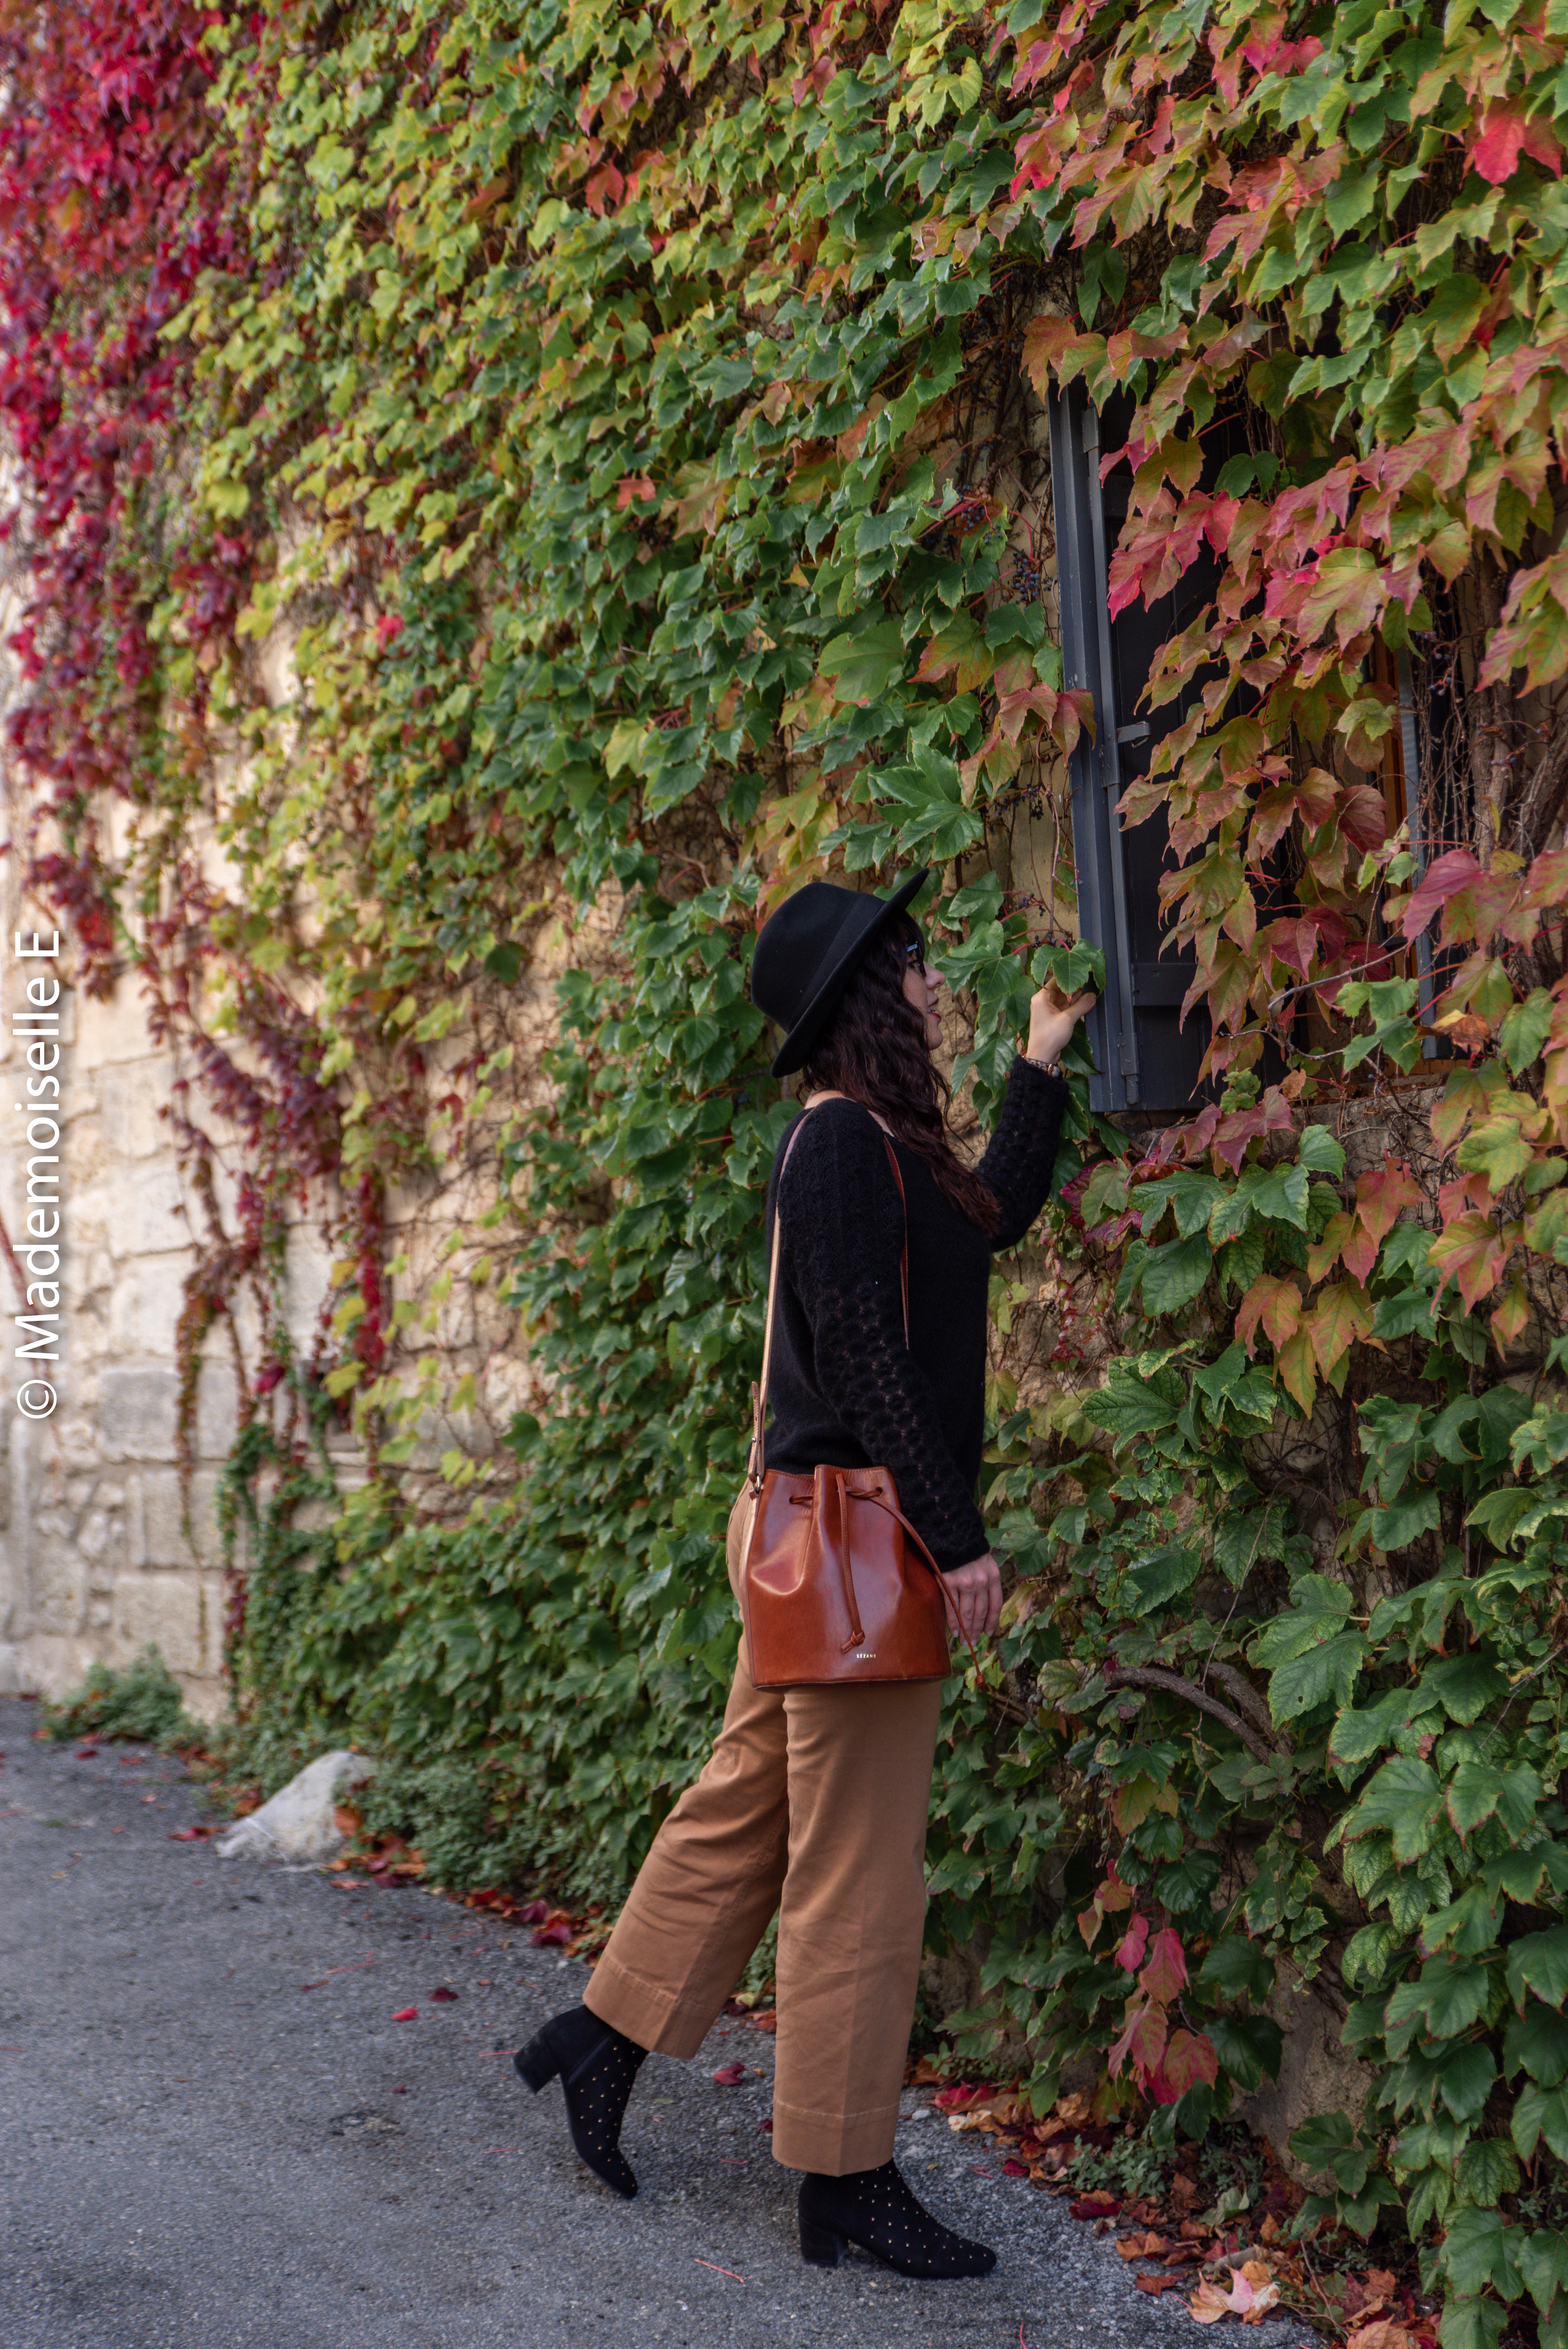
x: 214, y: 2134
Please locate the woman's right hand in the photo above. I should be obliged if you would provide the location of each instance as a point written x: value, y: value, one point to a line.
x: 975, y: 1596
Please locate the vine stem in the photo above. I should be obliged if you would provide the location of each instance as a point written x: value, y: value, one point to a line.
x: 1148, y: 1676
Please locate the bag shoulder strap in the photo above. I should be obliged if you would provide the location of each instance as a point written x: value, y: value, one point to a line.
x: 755, y: 1462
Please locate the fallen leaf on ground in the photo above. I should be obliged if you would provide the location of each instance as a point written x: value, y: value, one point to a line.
x: 406, y: 2014
x: 1253, y: 2294
x: 1013, y: 2170
x: 1158, y: 2284
x: 729, y: 2075
x: 1384, y: 2334
x: 442, y: 1997
x: 1095, y: 2206
x: 188, y: 1835
x: 1143, y: 2247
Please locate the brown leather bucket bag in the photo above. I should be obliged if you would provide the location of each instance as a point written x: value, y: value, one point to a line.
x: 836, y: 1586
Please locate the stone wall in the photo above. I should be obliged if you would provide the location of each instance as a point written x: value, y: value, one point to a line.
x: 103, y: 1546
x: 96, y: 1556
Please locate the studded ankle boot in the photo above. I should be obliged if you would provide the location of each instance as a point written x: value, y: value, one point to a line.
x: 876, y: 2209
x: 598, y: 2068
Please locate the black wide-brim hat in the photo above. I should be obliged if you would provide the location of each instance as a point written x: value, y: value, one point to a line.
x: 808, y: 952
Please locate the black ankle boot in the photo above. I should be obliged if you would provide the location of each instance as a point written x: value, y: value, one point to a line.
x: 598, y: 2068
x: 875, y: 2209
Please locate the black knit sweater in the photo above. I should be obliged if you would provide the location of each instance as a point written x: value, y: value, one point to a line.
x: 845, y: 1388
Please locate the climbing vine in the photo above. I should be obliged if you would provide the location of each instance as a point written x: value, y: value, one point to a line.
x: 608, y: 485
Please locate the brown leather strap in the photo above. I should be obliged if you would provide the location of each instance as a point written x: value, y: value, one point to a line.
x: 868, y: 1493
x: 755, y: 1459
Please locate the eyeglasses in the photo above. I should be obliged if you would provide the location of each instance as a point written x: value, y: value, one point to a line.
x: 916, y: 956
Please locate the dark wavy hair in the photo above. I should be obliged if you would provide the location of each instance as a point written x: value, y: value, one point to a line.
x: 875, y: 1049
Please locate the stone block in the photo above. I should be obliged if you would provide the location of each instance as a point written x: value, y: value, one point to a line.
x: 145, y: 1304
x: 139, y: 1217
x: 130, y: 1100
x: 161, y: 1536
x: 307, y: 1276
x: 205, y: 1695
x: 1317, y: 2074
x: 58, y: 1580
x: 111, y: 1030
x: 182, y: 1615
x: 217, y: 1410
x: 137, y: 1409
x: 73, y: 1439
x: 93, y: 1540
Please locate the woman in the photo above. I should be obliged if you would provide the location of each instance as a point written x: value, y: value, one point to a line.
x: 814, y: 1800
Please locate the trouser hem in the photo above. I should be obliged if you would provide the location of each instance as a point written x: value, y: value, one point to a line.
x: 833, y: 2144
x: 645, y: 2012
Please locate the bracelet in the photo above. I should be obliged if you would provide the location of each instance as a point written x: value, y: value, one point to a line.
x: 1051, y: 1068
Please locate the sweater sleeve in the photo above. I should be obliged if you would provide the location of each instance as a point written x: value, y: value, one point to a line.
x: 1018, y: 1164
x: 842, y: 1245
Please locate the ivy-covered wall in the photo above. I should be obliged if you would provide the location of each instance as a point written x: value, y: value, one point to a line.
x: 512, y: 488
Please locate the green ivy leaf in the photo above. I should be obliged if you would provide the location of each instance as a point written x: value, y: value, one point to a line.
x: 1237, y: 1968
x: 1539, y: 1961
x: 1128, y: 1404
x: 865, y: 661
x: 1536, y: 2042
x: 1525, y: 1029
x: 1487, y: 2171
x: 1173, y: 1275
x: 1541, y: 2112
x: 1310, y: 1656
x: 1479, y: 2254
x: 1405, y: 1798
x: 1164, y: 1575
x: 1542, y: 2260
x: 1477, y: 1791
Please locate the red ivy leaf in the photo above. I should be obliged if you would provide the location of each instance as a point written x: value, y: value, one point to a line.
x: 1189, y: 2061
x: 1142, y: 2039
x: 1443, y: 877
x: 1166, y: 1973
x: 1130, y: 1951
x: 1504, y: 136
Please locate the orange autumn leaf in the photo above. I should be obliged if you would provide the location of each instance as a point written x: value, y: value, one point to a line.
x: 1341, y: 1315
x: 1273, y: 1304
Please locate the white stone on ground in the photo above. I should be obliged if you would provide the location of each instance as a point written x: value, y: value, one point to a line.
x: 299, y: 1822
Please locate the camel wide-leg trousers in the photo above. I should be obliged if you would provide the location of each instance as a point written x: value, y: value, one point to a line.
x: 813, y: 1803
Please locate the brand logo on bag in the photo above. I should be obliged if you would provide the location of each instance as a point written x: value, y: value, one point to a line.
x: 865, y: 1655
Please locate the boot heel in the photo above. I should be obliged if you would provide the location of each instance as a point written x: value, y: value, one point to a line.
x: 538, y: 2062
x: 820, y: 2247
